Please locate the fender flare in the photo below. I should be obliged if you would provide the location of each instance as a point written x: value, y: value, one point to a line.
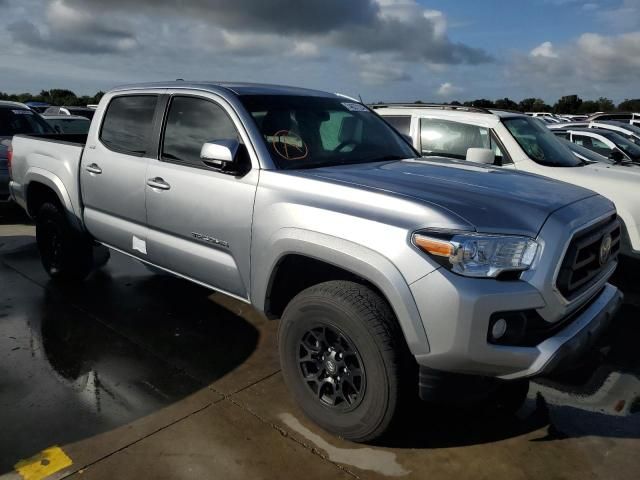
x: 357, y: 259
x: 49, y: 179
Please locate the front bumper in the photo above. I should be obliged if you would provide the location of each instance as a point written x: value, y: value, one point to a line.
x: 456, y: 313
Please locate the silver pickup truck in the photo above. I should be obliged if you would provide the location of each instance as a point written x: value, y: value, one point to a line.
x: 390, y: 275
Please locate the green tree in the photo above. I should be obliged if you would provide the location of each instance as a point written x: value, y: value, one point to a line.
x: 630, y: 105
x: 533, y: 105
x: 589, y: 106
x: 605, y: 105
x: 480, y: 103
x: 568, y: 104
x: 506, y: 104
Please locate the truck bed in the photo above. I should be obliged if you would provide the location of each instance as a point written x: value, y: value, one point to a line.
x: 52, y: 160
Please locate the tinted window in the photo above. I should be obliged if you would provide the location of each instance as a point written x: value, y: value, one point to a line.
x: 308, y: 132
x: 191, y: 123
x: 70, y: 125
x: 402, y: 124
x: 128, y: 122
x: 623, y: 144
x: 451, y: 139
x: 16, y: 120
x: 539, y: 143
x: 591, y: 143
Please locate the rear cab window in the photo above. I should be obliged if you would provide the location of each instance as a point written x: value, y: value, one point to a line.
x: 128, y: 124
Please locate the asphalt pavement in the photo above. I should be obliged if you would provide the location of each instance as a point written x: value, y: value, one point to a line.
x: 132, y: 374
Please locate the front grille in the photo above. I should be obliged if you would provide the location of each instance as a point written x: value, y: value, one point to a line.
x: 582, y: 266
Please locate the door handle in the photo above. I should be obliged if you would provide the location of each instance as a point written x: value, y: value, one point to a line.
x: 94, y: 168
x: 158, y: 183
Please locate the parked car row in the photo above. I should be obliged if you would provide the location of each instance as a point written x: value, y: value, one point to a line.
x: 429, y: 250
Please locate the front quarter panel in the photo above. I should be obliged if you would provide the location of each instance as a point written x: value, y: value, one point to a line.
x: 366, y: 233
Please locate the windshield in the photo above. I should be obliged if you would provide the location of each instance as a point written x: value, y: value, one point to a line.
x: 16, y: 120
x: 540, y: 144
x: 623, y: 144
x: 311, y: 132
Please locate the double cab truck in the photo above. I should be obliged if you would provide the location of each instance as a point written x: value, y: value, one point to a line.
x: 391, y: 276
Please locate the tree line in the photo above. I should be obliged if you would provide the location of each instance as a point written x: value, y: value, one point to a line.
x: 569, y: 104
x: 56, y: 96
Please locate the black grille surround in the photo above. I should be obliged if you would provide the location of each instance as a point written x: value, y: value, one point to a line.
x: 582, y: 266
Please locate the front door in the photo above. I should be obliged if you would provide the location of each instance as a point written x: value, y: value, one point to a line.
x: 199, y: 219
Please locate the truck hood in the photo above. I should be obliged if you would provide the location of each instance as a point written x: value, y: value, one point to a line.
x: 489, y: 199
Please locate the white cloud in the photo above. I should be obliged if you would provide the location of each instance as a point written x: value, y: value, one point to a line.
x: 447, y: 89
x: 544, y: 50
x: 374, y: 70
x: 625, y: 17
x: 594, y: 64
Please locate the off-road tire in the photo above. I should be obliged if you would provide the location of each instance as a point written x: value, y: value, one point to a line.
x: 66, y: 254
x: 366, y: 320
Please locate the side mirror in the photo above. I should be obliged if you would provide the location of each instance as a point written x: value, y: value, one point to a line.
x: 219, y: 154
x: 616, y: 155
x: 481, y: 155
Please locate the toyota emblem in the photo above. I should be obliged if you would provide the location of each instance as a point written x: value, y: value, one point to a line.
x: 605, y: 250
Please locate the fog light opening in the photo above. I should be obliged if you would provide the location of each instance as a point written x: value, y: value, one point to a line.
x: 499, y: 329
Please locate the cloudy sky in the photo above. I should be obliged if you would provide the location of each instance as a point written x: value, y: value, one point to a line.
x: 380, y: 49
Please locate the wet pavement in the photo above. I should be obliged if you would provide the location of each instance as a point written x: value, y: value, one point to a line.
x: 137, y: 375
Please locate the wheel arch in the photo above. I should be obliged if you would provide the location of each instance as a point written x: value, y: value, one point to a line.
x: 43, y: 186
x: 322, y: 258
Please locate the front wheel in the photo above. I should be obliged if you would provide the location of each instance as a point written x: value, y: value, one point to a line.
x: 341, y: 351
x: 66, y: 254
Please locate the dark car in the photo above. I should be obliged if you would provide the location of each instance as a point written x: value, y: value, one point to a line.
x: 38, y: 107
x: 15, y: 118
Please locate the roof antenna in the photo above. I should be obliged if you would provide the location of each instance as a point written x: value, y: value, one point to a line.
x: 360, y: 97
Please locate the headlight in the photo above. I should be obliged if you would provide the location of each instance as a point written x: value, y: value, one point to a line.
x: 476, y: 255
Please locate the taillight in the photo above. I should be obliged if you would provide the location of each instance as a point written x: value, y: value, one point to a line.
x: 9, y: 158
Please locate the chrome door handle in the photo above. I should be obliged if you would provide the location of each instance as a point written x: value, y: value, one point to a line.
x: 93, y: 168
x: 158, y: 183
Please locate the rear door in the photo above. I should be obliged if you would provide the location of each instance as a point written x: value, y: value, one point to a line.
x: 113, y: 171
x: 200, y: 219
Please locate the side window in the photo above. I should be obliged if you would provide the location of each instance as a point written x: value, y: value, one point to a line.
x: 401, y: 123
x: 128, y: 123
x: 191, y: 123
x: 451, y: 139
x: 592, y: 144
x: 564, y: 135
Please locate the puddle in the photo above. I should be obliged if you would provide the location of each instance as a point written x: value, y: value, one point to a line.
x: 371, y: 459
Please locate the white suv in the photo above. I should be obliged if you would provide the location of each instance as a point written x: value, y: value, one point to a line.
x: 514, y: 140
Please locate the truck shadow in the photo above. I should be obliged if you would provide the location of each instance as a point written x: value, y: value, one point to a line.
x: 601, y: 398
x: 81, y: 360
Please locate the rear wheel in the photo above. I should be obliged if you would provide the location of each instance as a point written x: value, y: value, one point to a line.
x: 341, y: 351
x: 66, y: 254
